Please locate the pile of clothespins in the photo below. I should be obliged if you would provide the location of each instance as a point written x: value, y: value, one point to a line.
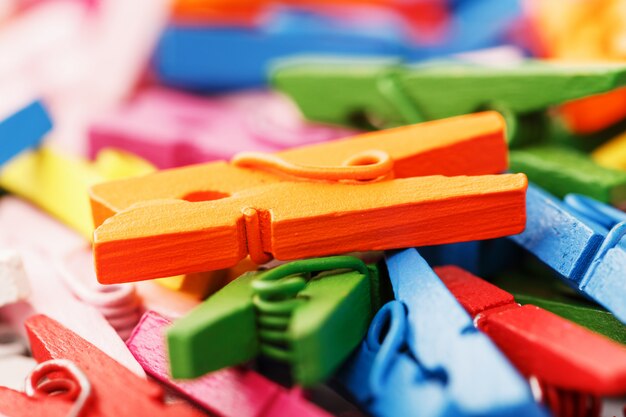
x: 272, y: 208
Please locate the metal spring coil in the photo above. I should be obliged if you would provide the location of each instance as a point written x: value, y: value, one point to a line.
x: 276, y: 298
x: 60, y: 378
x: 567, y: 403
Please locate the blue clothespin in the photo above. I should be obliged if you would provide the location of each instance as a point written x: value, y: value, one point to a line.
x: 209, y: 58
x: 474, y: 24
x: 212, y: 58
x: 581, y: 239
x: 424, y: 357
x: 22, y: 130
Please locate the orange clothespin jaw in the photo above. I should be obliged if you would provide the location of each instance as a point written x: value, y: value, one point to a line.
x: 269, y: 214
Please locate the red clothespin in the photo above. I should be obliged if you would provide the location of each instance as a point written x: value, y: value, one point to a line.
x: 231, y: 392
x: 572, y: 365
x: 92, y: 384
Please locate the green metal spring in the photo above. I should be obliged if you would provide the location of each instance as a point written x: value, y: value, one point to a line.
x: 276, y: 298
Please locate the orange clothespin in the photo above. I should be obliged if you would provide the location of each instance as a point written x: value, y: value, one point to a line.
x: 264, y: 205
x: 74, y: 378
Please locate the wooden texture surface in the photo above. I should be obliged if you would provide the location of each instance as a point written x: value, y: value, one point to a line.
x: 562, y: 171
x: 538, y: 342
x: 41, y: 246
x: 329, y: 318
x: 22, y: 129
x: 582, y: 240
x: 59, y: 183
x: 231, y: 392
x: 440, y: 147
x: 386, y: 94
x: 441, y: 335
x: 182, y: 237
x: 111, y: 383
x: 466, y: 145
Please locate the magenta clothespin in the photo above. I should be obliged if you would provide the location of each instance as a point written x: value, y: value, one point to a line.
x: 172, y: 129
x: 231, y: 392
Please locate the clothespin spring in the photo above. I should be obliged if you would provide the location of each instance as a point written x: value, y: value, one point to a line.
x: 276, y: 298
x: 565, y: 403
x: 74, y: 384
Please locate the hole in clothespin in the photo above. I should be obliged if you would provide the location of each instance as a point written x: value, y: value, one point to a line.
x: 199, y: 196
x: 364, y: 160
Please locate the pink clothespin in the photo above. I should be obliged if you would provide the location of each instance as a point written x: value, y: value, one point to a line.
x: 172, y: 129
x: 231, y: 392
x: 41, y: 241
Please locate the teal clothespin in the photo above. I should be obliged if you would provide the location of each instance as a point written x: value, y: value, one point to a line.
x: 387, y: 93
x: 310, y: 314
x: 22, y: 130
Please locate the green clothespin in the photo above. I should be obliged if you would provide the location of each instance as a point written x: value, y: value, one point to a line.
x: 387, y: 93
x: 310, y: 321
x: 561, y: 171
x: 551, y: 294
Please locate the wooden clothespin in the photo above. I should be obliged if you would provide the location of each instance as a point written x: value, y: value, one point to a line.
x: 119, y: 304
x: 185, y: 54
x: 92, y: 384
x: 171, y: 128
x: 383, y: 29
x: 552, y: 294
x: 40, y: 253
x: 309, y: 314
x: 22, y: 129
x: 58, y: 183
x: 254, y: 211
x: 423, y: 353
x: 581, y: 239
x: 562, y: 356
x: 562, y: 171
x: 386, y: 94
x: 612, y: 154
x: 231, y: 392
